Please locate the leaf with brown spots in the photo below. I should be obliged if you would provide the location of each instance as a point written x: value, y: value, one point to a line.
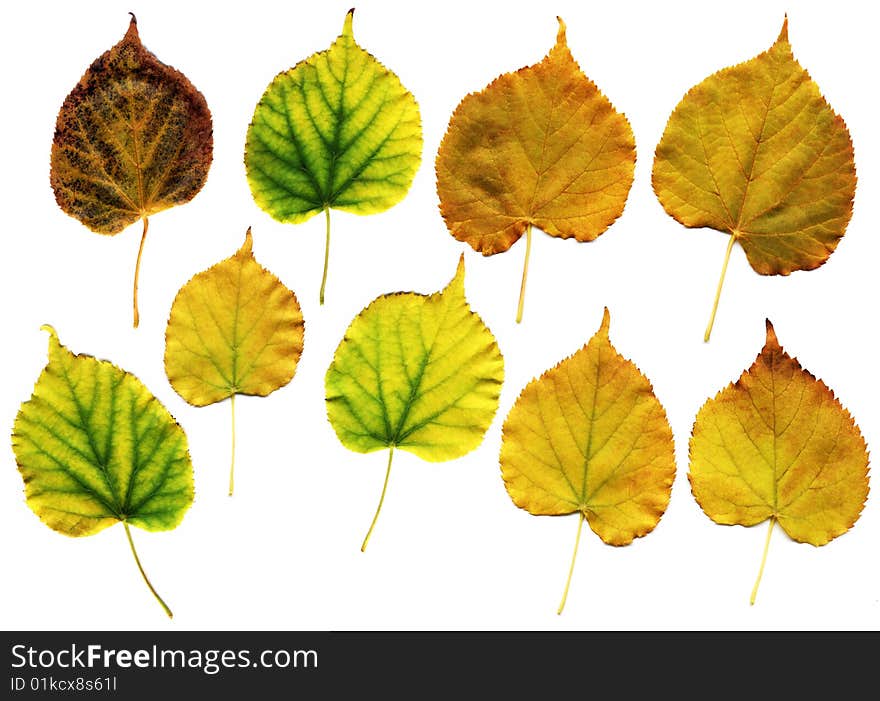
x: 541, y: 146
x: 778, y: 445
x: 133, y: 138
x: 755, y: 151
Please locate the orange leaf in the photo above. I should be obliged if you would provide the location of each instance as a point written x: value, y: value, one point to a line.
x: 538, y: 147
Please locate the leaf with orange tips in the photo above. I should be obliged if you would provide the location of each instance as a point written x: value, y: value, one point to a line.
x: 778, y: 445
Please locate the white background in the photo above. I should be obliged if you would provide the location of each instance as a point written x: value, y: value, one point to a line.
x: 450, y: 551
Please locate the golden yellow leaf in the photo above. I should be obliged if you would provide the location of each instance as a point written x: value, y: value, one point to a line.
x: 590, y: 437
x: 778, y: 445
x: 541, y: 146
x: 233, y: 329
x: 133, y: 138
x: 756, y: 152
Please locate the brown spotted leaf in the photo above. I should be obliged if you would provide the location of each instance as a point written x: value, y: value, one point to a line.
x: 133, y: 137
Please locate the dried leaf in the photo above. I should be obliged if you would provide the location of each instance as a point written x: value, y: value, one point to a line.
x: 778, y: 445
x: 756, y: 152
x: 417, y: 372
x: 541, y: 147
x: 133, y: 138
x: 233, y: 329
x: 95, y: 447
x: 590, y: 437
x: 336, y: 131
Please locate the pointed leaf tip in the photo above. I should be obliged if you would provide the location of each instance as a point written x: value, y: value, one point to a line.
x: 783, y: 33
x: 346, y: 26
x: 248, y: 244
x: 606, y: 322
x: 560, y: 33
x: 132, y: 32
x: 771, y: 341
x: 456, y: 284
x: 53, y: 335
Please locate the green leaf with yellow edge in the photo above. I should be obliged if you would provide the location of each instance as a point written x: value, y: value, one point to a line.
x: 95, y: 447
x: 541, y: 146
x: 417, y: 372
x: 755, y: 151
x: 233, y: 329
x: 590, y: 437
x: 336, y: 131
x: 778, y: 445
x: 134, y: 137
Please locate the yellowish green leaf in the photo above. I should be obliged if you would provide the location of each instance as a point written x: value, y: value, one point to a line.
x: 417, y: 372
x: 95, y: 447
x: 134, y: 137
x: 590, y: 437
x: 233, y: 329
x: 756, y: 152
x: 778, y: 445
x: 541, y: 146
x: 336, y: 131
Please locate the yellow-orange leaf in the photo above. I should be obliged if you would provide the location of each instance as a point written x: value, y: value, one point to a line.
x: 541, y: 147
x: 778, y: 445
x: 590, y: 437
x: 756, y: 152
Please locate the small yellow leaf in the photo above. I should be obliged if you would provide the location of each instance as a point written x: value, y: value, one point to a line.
x: 541, y: 146
x: 756, y: 152
x: 778, y: 445
x: 233, y: 329
x: 590, y: 437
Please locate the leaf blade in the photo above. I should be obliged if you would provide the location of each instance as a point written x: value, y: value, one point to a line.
x: 419, y: 372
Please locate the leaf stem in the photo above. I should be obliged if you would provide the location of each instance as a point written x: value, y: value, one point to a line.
x: 763, y: 561
x: 232, y: 461
x: 144, y: 574
x: 381, y: 499
x: 718, y: 291
x: 577, y: 542
x: 522, y: 287
x: 137, y: 270
x: 326, y: 255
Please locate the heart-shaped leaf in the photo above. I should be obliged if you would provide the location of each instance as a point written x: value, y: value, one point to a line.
x: 336, y: 131
x: 417, y: 372
x: 541, y: 146
x: 233, y: 329
x: 755, y: 151
x: 95, y: 447
x: 133, y: 138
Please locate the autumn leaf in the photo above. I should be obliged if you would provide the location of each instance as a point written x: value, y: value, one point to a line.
x: 336, y: 131
x: 755, y: 151
x: 589, y: 437
x: 539, y: 147
x: 417, y: 372
x: 233, y: 329
x: 778, y: 445
x: 133, y: 138
x: 95, y: 447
